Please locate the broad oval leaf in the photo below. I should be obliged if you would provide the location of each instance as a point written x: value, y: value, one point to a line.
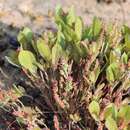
x: 110, y: 123
x: 44, y: 49
x: 94, y: 109
x: 110, y: 110
x: 28, y: 61
x: 28, y: 34
x: 78, y: 28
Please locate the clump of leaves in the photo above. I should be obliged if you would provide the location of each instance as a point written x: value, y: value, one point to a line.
x: 81, y: 71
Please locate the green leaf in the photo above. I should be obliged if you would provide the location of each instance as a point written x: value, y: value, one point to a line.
x: 71, y: 16
x: 87, y: 33
x: 126, y: 29
x: 97, y: 72
x: 94, y: 30
x: 127, y: 42
x: 58, y: 9
x: 59, y: 18
x: 76, y: 52
x: 56, y: 53
x: 94, y: 109
x: 61, y: 39
x: 110, y: 75
x: 58, y: 49
x: 104, y: 47
x: 28, y: 61
x: 40, y: 66
x: 69, y: 33
x: 92, y: 77
x: 84, y: 50
x: 36, y: 128
x: 20, y: 120
x: 19, y: 91
x: 75, y: 117
x: 78, y: 28
x: 34, y: 45
x: 123, y: 110
x: 113, y: 72
x: 22, y: 40
x: 96, y: 26
x: 124, y: 58
x: 24, y: 37
x: 94, y: 74
x: 110, y: 123
x: 94, y: 47
x: 110, y: 110
x: 28, y: 34
x: 110, y: 28
x: 113, y: 57
x: 124, y: 113
x: 44, y: 49
x: 12, y: 58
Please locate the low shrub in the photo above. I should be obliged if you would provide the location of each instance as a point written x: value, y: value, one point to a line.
x: 81, y: 71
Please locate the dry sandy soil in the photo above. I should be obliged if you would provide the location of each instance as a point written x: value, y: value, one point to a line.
x: 34, y: 14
